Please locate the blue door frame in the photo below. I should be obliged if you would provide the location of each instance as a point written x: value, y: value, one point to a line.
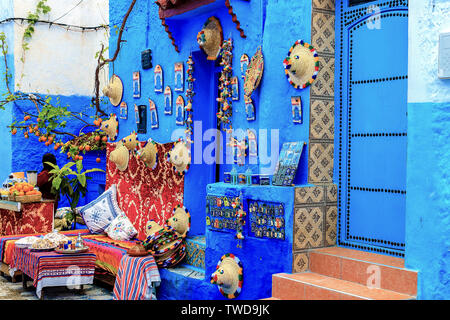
x: 371, y: 124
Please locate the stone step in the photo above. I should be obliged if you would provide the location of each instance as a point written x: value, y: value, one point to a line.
x: 364, y: 268
x: 195, y: 251
x: 313, y: 286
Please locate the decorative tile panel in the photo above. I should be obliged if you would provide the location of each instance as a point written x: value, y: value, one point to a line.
x: 309, y: 195
x: 331, y: 193
x: 300, y: 262
x: 308, y: 228
x: 323, y: 4
x: 330, y: 225
x: 320, y: 162
x: 321, y: 119
x: 322, y: 32
x: 324, y: 84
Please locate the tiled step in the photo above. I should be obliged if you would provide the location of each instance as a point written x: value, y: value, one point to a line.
x: 195, y: 251
x: 313, y: 286
x: 364, y: 268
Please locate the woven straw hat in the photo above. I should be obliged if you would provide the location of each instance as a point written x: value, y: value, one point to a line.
x: 301, y: 65
x: 114, y: 90
x: 111, y: 127
x: 149, y: 154
x: 254, y: 73
x: 120, y: 156
x: 180, y: 157
x: 180, y: 221
x: 228, y: 276
x: 152, y: 227
x: 210, y: 38
x: 131, y: 141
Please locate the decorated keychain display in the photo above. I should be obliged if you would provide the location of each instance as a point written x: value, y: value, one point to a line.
x: 179, y: 77
x: 179, y: 120
x: 136, y: 84
x: 189, y: 95
x: 225, y: 91
x: 153, y: 114
x: 159, y: 80
x: 123, y: 110
x: 167, y: 101
x: 221, y: 211
x: 297, y: 115
x: 253, y: 76
x: 266, y: 219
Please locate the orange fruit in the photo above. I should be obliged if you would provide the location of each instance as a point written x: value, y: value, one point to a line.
x: 98, y: 160
x: 26, y: 118
x: 80, y: 157
x: 105, y: 138
x: 14, y: 131
x: 80, y: 148
x: 21, y: 193
x: 97, y: 138
x: 87, y: 148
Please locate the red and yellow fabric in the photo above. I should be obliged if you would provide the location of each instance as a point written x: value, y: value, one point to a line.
x: 143, y: 193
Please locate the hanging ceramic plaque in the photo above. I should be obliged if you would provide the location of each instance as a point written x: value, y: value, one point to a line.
x: 136, y: 84
x: 136, y: 114
x: 123, y: 110
x: 153, y: 115
x: 159, y: 81
x: 244, y: 64
x: 252, y: 144
x: 180, y: 111
x: 167, y: 100
x: 179, y: 77
x: 249, y: 109
x: 297, y: 116
x: 235, y: 88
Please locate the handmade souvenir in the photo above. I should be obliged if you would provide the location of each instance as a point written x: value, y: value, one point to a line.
x: 140, y: 113
x: 149, y: 154
x: 288, y: 160
x: 137, y: 250
x: 228, y: 276
x: 180, y: 157
x: 159, y: 80
x: 239, y: 149
x: 167, y: 100
x: 179, y: 111
x: 301, y: 65
x: 252, y: 143
x: 227, y: 177
x: 264, y: 180
x: 244, y: 64
x: 297, y: 116
x: 248, y: 176
x: 179, y: 77
x: 111, y: 127
x: 180, y: 221
x: 131, y: 142
x: 136, y: 84
x: 114, y: 90
x: 254, y: 73
x: 146, y: 59
x: 234, y: 176
x: 266, y: 219
x: 255, y: 179
x: 153, y: 114
x: 249, y: 109
x: 120, y: 156
x: 210, y: 38
x: 189, y: 96
x: 225, y: 101
x: 123, y: 110
x: 235, y: 88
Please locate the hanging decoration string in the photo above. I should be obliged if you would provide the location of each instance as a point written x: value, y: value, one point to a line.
x: 62, y: 25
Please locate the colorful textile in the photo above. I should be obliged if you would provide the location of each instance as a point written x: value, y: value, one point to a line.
x: 121, y: 228
x: 7, y: 242
x: 109, y: 252
x: 145, y: 194
x: 34, y: 218
x: 136, y: 278
x: 99, y: 214
x: 50, y: 269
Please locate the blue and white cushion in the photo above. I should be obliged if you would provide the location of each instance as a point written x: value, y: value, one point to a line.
x: 99, y: 214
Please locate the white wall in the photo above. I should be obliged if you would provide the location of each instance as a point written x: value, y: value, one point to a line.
x: 61, y: 62
x: 425, y: 24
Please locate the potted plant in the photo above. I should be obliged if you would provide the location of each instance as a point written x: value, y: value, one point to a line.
x: 71, y: 184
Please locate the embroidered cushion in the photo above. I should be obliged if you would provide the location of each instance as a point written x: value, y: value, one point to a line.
x: 121, y: 228
x: 99, y: 214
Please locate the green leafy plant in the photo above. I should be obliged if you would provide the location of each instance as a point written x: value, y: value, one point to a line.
x: 70, y: 184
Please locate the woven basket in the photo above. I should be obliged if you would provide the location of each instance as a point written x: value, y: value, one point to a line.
x: 29, y: 199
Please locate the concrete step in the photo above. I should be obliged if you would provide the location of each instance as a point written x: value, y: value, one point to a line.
x: 364, y: 268
x: 313, y: 286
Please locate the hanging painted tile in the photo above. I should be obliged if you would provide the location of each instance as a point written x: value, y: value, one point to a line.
x: 239, y: 149
x: 244, y: 64
x: 136, y: 84
x: 235, y: 88
x: 167, y: 100
x: 252, y: 143
x: 297, y: 115
x: 153, y: 115
x: 179, y: 77
x: 190, y: 93
x: 123, y: 111
x: 159, y: 80
x: 249, y: 109
x: 180, y: 111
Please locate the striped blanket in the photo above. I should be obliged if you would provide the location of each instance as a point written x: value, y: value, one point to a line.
x: 51, y: 269
x: 136, y: 278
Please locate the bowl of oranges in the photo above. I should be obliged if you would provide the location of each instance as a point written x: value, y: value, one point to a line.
x: 24, y: 192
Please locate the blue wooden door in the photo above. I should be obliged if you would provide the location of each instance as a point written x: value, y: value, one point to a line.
x: 371, y: 108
